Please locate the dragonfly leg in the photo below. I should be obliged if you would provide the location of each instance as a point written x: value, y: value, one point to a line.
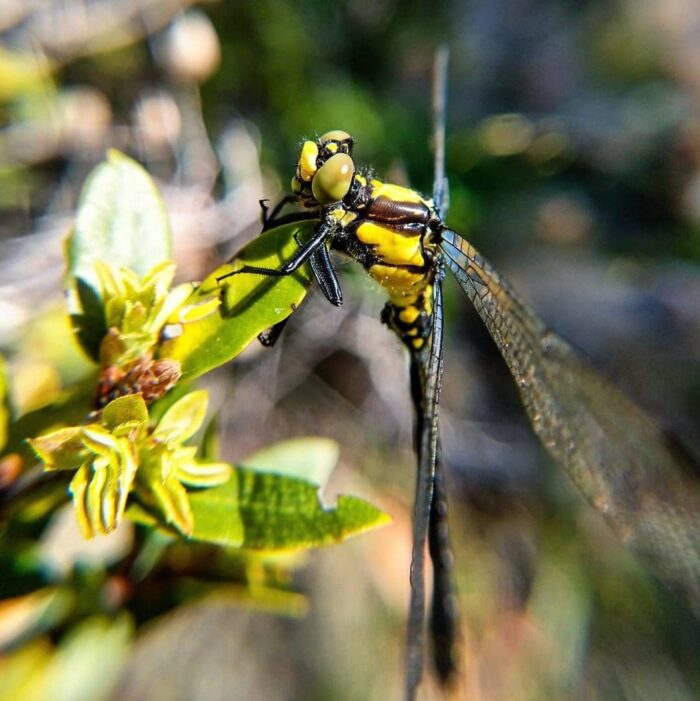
x: 323, y: 232
x: 269, y: 216
x: 270, y: 336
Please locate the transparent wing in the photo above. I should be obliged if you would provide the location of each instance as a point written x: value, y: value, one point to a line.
x: 612, y: 450
x: 429, y: 381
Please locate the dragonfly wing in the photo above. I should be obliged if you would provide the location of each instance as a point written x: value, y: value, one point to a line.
x: 427, y: 443
x: 616, y: 455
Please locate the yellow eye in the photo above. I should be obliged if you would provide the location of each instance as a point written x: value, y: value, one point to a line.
x: 333, y: 179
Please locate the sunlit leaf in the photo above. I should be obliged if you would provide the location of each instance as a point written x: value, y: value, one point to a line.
x: 101, y: 486
x: 172, y: 499
x: 238, y: 307
x: 78, y: 490
x: 125, y: 413
x: 262, y: 511
x: 203, y: 474
x: 121, y: 219
x: 61, y: 450
x: 183, y: 418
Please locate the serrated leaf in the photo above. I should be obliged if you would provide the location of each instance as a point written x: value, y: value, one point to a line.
x: 263, y: 511
x: 183, y: 418
x: 125, y: 413
x: 240, y: 306
x: 311, y: 458
x: 121, y: 219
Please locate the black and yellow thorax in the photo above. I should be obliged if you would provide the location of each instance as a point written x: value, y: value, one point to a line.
x: 391, y: 230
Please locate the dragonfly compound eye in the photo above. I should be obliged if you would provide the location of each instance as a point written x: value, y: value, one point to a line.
x: 333, y: 179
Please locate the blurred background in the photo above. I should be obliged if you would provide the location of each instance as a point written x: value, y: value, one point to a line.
x: 573, y: 156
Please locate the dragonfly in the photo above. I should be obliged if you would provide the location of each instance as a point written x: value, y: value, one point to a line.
x: 625, y: 466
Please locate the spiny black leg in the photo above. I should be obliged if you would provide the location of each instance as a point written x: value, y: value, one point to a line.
x: 269, y: 217
x: 324, y: 231
x: 263, y: 214
x: 324, y: 274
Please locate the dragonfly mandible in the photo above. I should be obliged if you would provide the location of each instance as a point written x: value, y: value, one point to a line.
x: 614, y: 453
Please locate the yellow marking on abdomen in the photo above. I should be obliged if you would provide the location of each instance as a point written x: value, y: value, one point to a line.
x: 409, y: 314
x: 391, y: 247
x: 405, y: 298
x: 396, y: 279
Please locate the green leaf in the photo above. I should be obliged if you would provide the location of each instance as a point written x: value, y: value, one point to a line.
x: 263, y: 511
x: 63, y: 449
x: 203, y: 474
x: 310, y: 458
x: 171, y: 498
x: 121, y: 219
x: 100, y: 487
x: 125, y: 413
x: 183, y: 418
x: 222, y: 316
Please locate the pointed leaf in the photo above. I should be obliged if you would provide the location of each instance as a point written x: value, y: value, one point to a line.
x: 270, y: 512
x: 203, y: 474
x: 121, y: 219
x: 172, y: 499
x: 125, y: 413
x: 78, y: 490
x: 240, y: 306
x: 183, y: 418
x: 94, y: 497
x: 100, y: 441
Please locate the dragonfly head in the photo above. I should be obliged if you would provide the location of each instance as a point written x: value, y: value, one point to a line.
x: 325, y: 169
